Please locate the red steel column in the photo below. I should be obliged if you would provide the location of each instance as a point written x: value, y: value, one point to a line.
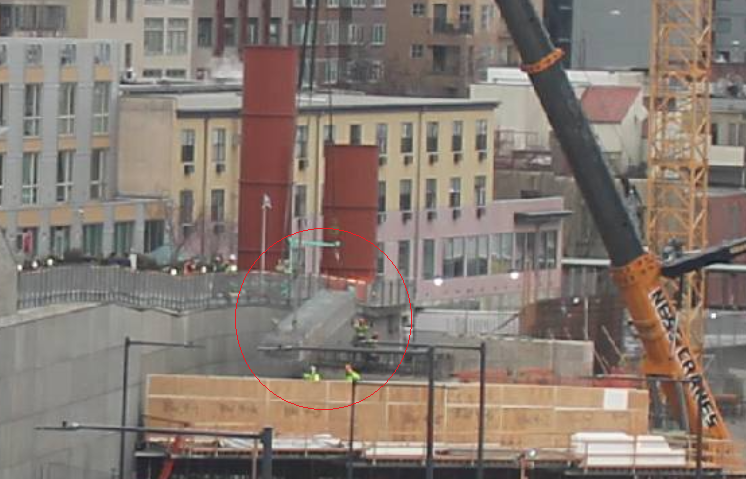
x: 268, y: 132
x: 219, y: 28
x: 351, y: 204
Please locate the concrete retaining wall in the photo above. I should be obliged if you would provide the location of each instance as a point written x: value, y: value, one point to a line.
x: 65, y: 363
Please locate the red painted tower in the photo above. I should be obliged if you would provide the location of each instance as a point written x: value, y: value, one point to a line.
x: 268, y: 134
x: 351, y: 204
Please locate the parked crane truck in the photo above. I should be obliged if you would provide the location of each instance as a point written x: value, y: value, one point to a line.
x: 639, y: 275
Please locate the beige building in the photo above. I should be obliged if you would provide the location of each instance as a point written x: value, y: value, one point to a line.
x: 58, y: 155
x: 425, y: 144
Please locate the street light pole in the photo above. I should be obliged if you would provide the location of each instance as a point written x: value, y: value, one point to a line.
x: 429, y: 460
x: 128, y: 342
x: 482, y: 401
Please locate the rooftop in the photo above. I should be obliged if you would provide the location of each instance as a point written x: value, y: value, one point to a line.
x: 228, y: 98
x: 608, y: 104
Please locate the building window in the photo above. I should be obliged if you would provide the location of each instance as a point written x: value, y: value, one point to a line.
x: 32, y: 109
x: 547, y: 250
x: 330, y: 134
x: 188, y: 139
x: 152, y: 73
x: 432, y: 136
x: 382, y: 138
x: 331, y: 71
x: 301, y: 142
x: 428, y: 259
x: 123, y: 234
x: 501, y: 253
x: 217, y: 207
x: 481, y: 137
x: 332, y: 3
x: 113, y: 10
x: 417, y: 50
x: 154, y: 235
x: 275, y: 26
x: 98, y: 166
x: 30, y: 179
x: 407, y: 135
x: 67, y: 109
x: 477, y: 255
x: 176, y: 41
x: 381, y: 196
x: 218, y: 146
x: 177, y: 73
x: 154, y: 36
x: 99, y: 11
x: 93, y: 240
x: 405, y: 195
x: 457, y: 140
x: 464, y: 14
x: 378, y: 36
x: 723, y: 25
x: 204, y: 32
x: 101, y: 92
x: 186, y: 213
x: 252, y: 37
x: 59, y: 240
x: 454, y: 196
x: 64, y: 175
x: 230, y: 32
x: 524, y: 251
x: 453, y: 257
x: 299, y: 201
x: 379, y: 4
x: 102, y: 53
x: 381, y: 259
x: 403, y: 257
x: 68, y: 54
x: 431, y: 194
x: 480, y: 190
x: 355, y: 34
x: 130, y: 10
x: 26, y: 241
x: 356, y: 134
x: 418, y: 9
x: 331, y: 33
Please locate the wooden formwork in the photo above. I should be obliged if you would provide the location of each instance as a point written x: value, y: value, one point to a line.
x: 516, y: 415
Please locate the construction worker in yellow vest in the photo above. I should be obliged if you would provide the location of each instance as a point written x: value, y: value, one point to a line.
x: 361, y: 330
x: 312, y: 375
x: 351, y: 375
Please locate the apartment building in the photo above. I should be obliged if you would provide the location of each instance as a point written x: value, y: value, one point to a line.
x: 58, y: 111
x: 408, y: 47
x: 437, y: 218
x: 171, y: 39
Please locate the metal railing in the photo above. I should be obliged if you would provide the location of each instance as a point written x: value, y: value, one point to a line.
x: 150, y: 289
x: 147, y: 289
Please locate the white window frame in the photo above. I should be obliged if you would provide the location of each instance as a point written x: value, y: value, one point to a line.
x: 30, y: 182
x: 177, y: 36
x: 66, y: 124
x: 331, y: 33
x: 419, y: 9
x: 98, y: 164
x: 149, y: 31
x: 480, y: 191
x: 354, y: 34
x: 64, y: 174
x: 454, y: 193
x: 419, y: 48
x: 219, y: 145
x: 331, y: 71
x: 32, y: 97
x: 378, y: 4
x: 378, y: 34
x: 332, y: 3
x: 101, y: 103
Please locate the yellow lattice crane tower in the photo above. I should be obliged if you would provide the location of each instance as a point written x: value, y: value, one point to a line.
x: 678, y: 135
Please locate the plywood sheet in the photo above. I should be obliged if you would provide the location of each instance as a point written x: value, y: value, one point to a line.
x: 523, y: 395
x: 568, y: 396
x: 528, y: 418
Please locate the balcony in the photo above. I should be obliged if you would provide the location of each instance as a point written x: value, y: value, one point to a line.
x: 522, y: 150
x: 441, y: 26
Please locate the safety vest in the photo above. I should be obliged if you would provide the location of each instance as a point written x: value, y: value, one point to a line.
x: 312, y: 377
x: 352, y: 376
